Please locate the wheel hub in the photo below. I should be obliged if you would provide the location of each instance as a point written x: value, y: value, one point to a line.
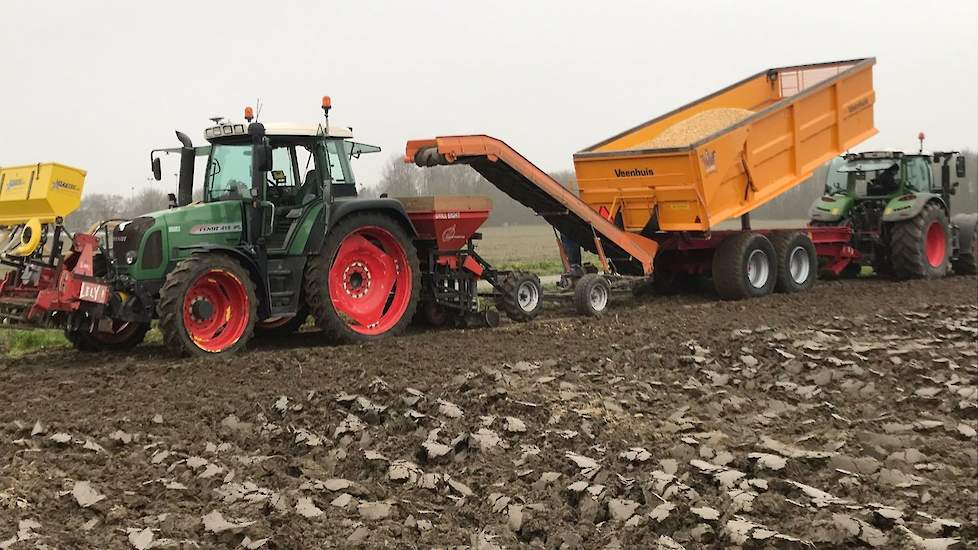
x: 201, y: 309
x: 758, y: 269
x: 356, y: 279
x: 527, y: 296
x: 799, y: 265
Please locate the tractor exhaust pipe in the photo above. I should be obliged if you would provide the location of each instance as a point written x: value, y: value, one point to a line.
x: 185, y: 183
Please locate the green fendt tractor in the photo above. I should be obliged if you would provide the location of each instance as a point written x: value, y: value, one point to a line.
x: 899, y: 213
x: 278, y: 235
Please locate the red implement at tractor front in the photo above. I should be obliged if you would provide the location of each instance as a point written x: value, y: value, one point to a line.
x: 45, y: 293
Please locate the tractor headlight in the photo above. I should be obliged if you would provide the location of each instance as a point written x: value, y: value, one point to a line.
x: 131, y: 257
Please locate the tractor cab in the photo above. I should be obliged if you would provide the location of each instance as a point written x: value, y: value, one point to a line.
x: 304, y: 167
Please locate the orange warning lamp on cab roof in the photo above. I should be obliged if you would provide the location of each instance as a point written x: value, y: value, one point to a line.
x: 249, y: 114
x: 327, y: 103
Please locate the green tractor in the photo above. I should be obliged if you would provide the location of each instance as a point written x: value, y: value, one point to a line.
x: 899, y: 213
x: 278, y: 235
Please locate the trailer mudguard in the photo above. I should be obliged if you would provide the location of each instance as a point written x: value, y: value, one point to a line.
x: 908, y: 206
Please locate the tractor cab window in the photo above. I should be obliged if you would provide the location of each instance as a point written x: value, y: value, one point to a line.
x: 228, y: 173
x: 339, y: 171
x: 918, y: 174
x: 836, y: 182
x: 873, y: 177
x: 280, y: 181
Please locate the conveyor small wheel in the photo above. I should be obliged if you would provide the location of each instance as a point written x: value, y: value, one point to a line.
x: 592, y: 294
x: 520, y: 296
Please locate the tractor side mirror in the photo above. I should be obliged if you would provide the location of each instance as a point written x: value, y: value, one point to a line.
x: 959, y: 169
x: 157, y: 169
x: 171, y: 200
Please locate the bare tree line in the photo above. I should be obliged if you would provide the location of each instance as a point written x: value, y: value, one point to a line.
x: 403, y: 180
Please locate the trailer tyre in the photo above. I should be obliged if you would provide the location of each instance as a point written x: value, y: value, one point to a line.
x: 797, y: 261
x: 744, y: 266
x: 520, y: 296
x: 920, y: 247
x: 365, y: 284
x: 591, y: 295
x: 207, y: 306
x: 966, y: 263
x: 124, y: 337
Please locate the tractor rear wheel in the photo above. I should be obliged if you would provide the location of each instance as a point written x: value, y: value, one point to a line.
x: 365, y: 283
x: 520, y: 296
x: 920, y: 247
x: 966, y: 262
x: 797, y: 262
x: 592, y: 294
x: 123, y: 337
x: 207, y: 306
x: 744, y: 266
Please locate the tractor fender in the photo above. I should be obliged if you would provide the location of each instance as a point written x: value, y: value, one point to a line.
x: 830, y: 208
x: 249, y: 263
x: 907, y: 207
x: 344, y: 207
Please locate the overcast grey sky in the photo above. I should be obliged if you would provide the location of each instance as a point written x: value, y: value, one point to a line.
x: 99, y: 84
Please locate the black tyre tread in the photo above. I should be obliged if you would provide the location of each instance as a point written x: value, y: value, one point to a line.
x: 907, y: 256
x: 582, y: 291
x: 967, y: 261
x: 317, y: 279
x: 87, y: 342
x: 508, y: 300
x: 729, y: 267
x: 783, y: 242
x: 170, y: 306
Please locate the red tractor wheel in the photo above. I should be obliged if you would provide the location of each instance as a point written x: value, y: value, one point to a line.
x: 207, y: 305
x: 366, y: 282
x: 919, y: 247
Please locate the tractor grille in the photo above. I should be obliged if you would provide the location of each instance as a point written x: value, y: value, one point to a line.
x: 126, y: 237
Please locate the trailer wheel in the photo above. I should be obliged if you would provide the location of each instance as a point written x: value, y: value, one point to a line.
x: 591, y: 295
x: 520, y: 296
x: 797, y: 261
x: 744, y: 266
x: 207, y: 306
x: 281, y: 326
x: 364, y: 285
x: 124, y: 337
x: 920, y: 247
x: 966, y: 263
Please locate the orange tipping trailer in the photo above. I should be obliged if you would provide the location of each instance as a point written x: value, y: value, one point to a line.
x: 647, y: 201
x: 798, y: 119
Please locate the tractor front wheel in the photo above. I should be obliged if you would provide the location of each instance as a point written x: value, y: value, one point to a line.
x: 207, y: 306
x: 920, y: 247
x: 365, y: 284
x: 123, y: 336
